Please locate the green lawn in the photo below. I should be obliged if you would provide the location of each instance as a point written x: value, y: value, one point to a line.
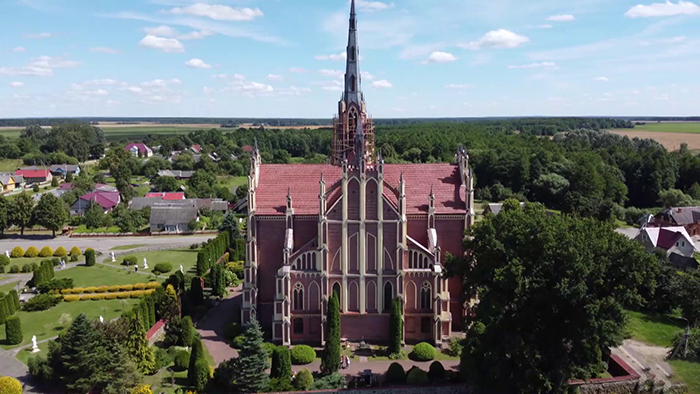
x: 8, y: 287
x: 185, y: 257
x: 231, y: 181
x: 128, y: 133
x: 10, y: 165
x: 689, y: 373
x: 657, y: 330
x: 127, y: 247
x: 670, y: 127
x: 100, y: 275
x: 44, y: 324
x: 28, y: 260
x: 26, y: 353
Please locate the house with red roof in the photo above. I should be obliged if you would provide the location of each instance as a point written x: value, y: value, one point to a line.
x: 358, y: 227
x: 247, y: 148
x: 675, y: 241
x: 139, y: 149
x: 35, y: 176
x: 105, y: 199
x: 196, y: 148
x: 173, y: 196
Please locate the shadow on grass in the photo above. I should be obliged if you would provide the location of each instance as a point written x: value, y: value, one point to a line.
x: 661, y: 319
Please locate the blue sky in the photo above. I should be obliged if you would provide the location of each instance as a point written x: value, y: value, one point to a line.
x: 283, y: 58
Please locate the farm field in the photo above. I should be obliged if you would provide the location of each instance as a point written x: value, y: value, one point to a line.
x: 670, y: 127
x: 671, y: 140
x: 116, y: 132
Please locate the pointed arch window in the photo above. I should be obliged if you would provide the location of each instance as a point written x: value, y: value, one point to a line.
x: 388, y: 296
x: 426, y: 296
x: 336, y: 290
x: 298, y: 297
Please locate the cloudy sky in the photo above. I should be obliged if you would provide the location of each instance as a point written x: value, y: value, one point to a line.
x: 284, y: 58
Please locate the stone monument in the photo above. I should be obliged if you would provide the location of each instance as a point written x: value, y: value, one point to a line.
x: 35, y: 348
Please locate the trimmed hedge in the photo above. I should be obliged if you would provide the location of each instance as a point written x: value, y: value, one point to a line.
x: 281, y: 364
x: 107, y: 296
x: 60, y: 252
x: 31, y: 252
x: 75, y: 251
x: 41, y: 302
x: 139, y: 286
x: 46, y: 251
x: 436, y: 372
x: 303, y: 380
x: 126, y: 287
x: 17, y: 252
x: 89, y: 257
x: 71, y: 298
x: 129, y: 260
x: 162, y: 268
x: 13, y: 330
x: 423, y: 352
x: 10, y: 385
x: 4, y: 260
x: 212, y: 251
x: 417, y: 377
x: 302, y: 355
x: 395, y: 374
x: 182, y: 360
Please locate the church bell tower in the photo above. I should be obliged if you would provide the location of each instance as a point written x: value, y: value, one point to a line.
x: 353, y: 129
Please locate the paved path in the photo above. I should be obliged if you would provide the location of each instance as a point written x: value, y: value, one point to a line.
x: 99, y: 244
x: 212, y: 329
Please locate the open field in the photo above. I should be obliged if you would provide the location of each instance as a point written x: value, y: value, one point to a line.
x: 672, y: 141
x: 118, y: 132
x: 670, y: 127
x: 250, y: 125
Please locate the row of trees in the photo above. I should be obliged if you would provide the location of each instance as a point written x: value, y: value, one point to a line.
x: 51, y: 212
x: 74, y: 141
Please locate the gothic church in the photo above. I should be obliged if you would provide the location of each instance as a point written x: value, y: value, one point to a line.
x: 366, y: 230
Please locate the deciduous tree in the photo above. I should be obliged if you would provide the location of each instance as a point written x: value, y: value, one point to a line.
x: 50, y: 212
x: 21, y: 211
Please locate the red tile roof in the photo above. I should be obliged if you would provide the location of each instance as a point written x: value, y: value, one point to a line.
x: 247, y: 148
x: 667, y: 239
x: 140, y: 145
x: 106, y: 200
x: 167, y: 196
x: 33, y: 173
x: 197, y: 148
x: 303, y: 179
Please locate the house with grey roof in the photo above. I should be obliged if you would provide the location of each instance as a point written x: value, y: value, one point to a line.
x: 688, y: 217
x: 177, y: 174
x: 496, y: 208
x: 62, y: 169
x: 172, y: 218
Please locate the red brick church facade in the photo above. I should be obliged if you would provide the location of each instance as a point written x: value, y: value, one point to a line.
x: 367, y: 230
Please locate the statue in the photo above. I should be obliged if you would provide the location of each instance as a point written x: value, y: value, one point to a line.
x: 7, y: 253
x: 35, y: 348
x: 113, y: 259
x: 145, y: 264
x: 102, y: 319
x: 182, y: 269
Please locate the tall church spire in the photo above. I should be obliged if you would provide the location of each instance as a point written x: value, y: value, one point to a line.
x: 353, y: 78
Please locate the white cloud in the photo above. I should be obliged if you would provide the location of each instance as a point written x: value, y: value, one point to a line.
x: 440, y: 57
x: 293, y: 91
x: 237, y: 77
x: 366, y: 5
x: 273, y: 77
x: 297, y: 70
x: 458, y: 86
x: 219, y: 12
x: 257, y: 87
x: 331, y: 73
x: 102, y: 82
x: 19, y: 49
x: 169, y: 45
x: 197, y: 63
x: 339, y: 57
x: 544, y: 27
x: 663, y: 9
x: 26, y: 70
x: 333, y: 85
x: 543, y: 65
x: 161, y: 83
x: 157, y: 99
x: 601, y: 79
x: 672, y: 40
x: 366, y: 75
x: 382, y: 84
x: 561, y: 18
x: 98, y: 92
x: 54, y: 62
x: 135, y: 89
x: 16, y: 84
x: 196, y: 35
x: 39, y: 36
x: 162, y: 31
x: 107, y: 50
x: 497, y: 39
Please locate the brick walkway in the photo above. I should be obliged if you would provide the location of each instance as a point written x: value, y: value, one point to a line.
x: 212, y: 329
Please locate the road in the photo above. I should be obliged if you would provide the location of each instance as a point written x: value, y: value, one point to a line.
x: 99, y: 244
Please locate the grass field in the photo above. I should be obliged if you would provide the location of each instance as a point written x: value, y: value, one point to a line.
x: 185, y: 257
x: 127, y: 247
x: 9, y: 165
x: 670, y: 127
x: 657, y: 330
x: 231, y: 181
x: 45, y: 324
x: 118, y: 132
x: 689, y: 373
x: 7, y: 287
x: 101, y: 275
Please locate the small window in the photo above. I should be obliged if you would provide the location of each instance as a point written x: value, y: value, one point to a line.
x: 352, y: 54
x: 298, y: 297
x: 298, y: 326
x: 352, y: 83
x: 425, y: 325
x: 683, y: 243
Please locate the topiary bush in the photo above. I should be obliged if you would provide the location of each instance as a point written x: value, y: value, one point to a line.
x: 71, y: 298
x: 139, y: 286
x: 60, y: 252
x: 10, y: 385
x: 41, y: 302
x: 89, y: 257
x: 75, y: 251
x: 17, y: 252
x: 181, y: 361
x: 129, y: 260
x: 269, y: 348
x: 303, y: 380
x: 395, y: 374
x: 26, y: 268
x: 126, y: 287
x: 281, y: 363
x: 31, y: 252
x: 14, y: 269
x: 201, y: 378
x: 46, y: 252
x: 302, y: 355
x: 4, y: 260
x: 13, y: 331
x: 455, y: 347
x: 142, y: 389
x: 417, y: 377
x: 162, y: 268
x: 436, y: 372
x: 423, y: 352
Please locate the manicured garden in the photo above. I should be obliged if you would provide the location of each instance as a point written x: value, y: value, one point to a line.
x: 100, y: 275
x: 8, y: 286
x: 175, y: 257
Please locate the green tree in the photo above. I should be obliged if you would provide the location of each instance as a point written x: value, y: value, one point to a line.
x: 166, y: 184
x: 130, y: 221
x: 230, y: 223
x: 201, y: 377
x: 196, y: 291
x: 170, y: 304
x: 251, y: 376
x: 201, y: 185
x: 675, y: 198
x: 5, y: 214
x: 89, y: 257
x: 21, y: 211
x: 196, y: 355
x: 51, y: 213
x: 218, y: 280
x: 137, y: 345
x: 94, y: 216
x: 281, y: 363
x: 13, y: 329
x: 188, y: 331
x: 526, y: 260
x: 694, y: 191
x: 395, y: 327
x: 330, y: 363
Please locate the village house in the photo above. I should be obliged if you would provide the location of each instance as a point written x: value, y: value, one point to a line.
x: 496, y: 208
x: 166, y: 196
x: 7, y: 182
x: 172, y: 218
x: 35, y: 176
x: 177, y: 174
x: 675, y: 241
x: 19, y: 181
x: 688, y: 217
x: 196, y: 149
x: 106, y: 200
x: 139, y: 149
x: 63, y: 169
